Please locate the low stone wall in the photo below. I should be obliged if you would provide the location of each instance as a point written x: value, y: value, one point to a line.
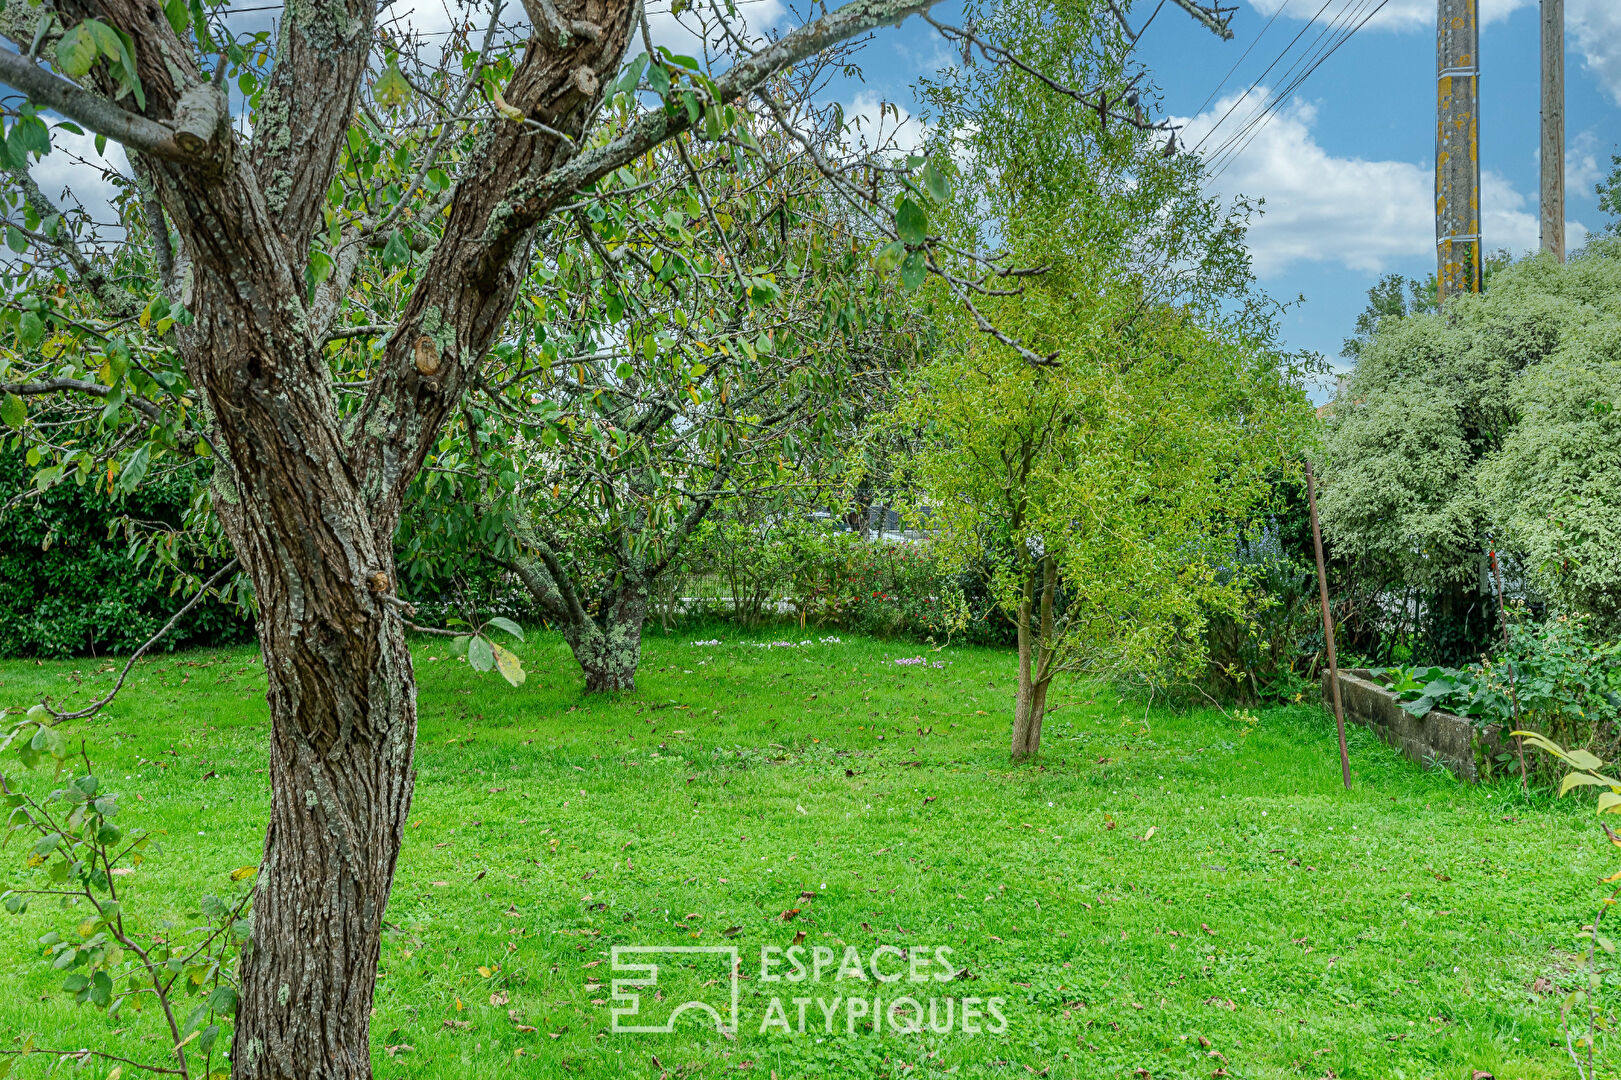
x: 1438, y: 737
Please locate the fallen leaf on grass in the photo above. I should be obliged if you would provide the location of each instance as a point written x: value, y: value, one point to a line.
x: 460, y: 1025
x: 401, y: 1048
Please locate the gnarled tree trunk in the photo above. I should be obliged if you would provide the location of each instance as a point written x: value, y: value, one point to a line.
x: 608, y: 645
x: 609, y: 653
x: 309, y: 499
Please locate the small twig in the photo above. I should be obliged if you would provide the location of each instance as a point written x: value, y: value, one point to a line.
x: 96, y: 706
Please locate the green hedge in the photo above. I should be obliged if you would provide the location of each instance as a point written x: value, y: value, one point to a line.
x: 67, y: 588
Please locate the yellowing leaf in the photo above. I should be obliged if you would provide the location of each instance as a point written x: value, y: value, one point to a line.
x: 508, y: 664
x: 1582, y: 759
x: 243, y: 872
x: 391, y: 90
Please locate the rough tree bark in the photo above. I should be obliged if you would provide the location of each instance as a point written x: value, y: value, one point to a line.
x: 1036, y: 653
x: 608, y: 646
x: 310, y: 503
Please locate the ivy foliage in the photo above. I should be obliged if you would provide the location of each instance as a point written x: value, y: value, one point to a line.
x: 66, y: 559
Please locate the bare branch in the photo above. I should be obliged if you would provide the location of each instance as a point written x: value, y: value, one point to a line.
x: 96, y: 706
x: 533, y: 199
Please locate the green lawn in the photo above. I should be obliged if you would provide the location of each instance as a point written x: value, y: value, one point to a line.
x: 1182, y: 893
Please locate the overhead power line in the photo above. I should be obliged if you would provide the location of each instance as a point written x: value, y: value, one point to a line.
x: 1236, y: 143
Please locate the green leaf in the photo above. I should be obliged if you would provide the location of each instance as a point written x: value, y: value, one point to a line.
x: 658, y: 77
x: 396, y: 252
x: 177, y: 14
x: 936, y: 183
x: 30, y: 330
x: 76, y: 53
x: 913, y: 270
x: 391, y: 90
x: 501, y: 622
x: 1420, y: 708
x: 135, y: 469
x: 632, y: 74
x: 911, y: 222
x: 13, y: 411
x: 480, y: 654
x: 889, y: 256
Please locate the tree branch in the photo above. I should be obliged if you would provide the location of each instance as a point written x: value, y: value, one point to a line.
x: 93, y: 111
x: 533, y: 199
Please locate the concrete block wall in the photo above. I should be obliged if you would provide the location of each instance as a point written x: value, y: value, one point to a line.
x: 1441, y: 737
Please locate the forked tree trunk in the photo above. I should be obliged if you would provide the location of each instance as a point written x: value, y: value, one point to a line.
x: 308, y: 497
x: 607, y: 646
x: 610, y: 653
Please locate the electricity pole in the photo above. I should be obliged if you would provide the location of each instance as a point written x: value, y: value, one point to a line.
x: 1553, y: 128
x: 1457, y: 148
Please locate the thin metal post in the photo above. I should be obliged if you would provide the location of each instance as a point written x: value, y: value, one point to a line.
x: 1513, y: 695
x: 1328, y: 627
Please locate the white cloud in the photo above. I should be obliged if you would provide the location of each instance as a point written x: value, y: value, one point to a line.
x: 1582, y: 168
x: 1395, y: 15
x: 74, y: 173
x: 1365, y: 215
x: 682, y: 35
x: 875, y: 124
x: 1596, y: 26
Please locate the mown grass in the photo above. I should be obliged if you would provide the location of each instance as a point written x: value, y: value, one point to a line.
x: 1181, y: 892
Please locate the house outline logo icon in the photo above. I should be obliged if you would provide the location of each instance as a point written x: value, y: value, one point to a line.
x: 643, y: 976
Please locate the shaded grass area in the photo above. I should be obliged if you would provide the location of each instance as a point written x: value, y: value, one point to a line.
x: 1182, y: 892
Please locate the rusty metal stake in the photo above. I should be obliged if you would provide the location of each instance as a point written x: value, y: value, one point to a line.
x: 1328, y: 626
x: 1513, y: 697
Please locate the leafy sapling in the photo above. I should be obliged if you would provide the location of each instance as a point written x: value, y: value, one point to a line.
x: 111, y: 958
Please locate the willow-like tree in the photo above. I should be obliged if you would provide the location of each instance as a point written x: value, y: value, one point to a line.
x: 324, y: 241
x: 1105, y: 452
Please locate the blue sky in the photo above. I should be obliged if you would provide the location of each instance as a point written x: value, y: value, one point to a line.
x: 1346, y: 164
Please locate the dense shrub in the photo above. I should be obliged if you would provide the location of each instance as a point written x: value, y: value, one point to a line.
x: 804, y: 570
x: 1495, y: 425
x: 69, y: 583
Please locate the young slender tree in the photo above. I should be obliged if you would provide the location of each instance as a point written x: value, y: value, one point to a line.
x: 1108, y: 449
